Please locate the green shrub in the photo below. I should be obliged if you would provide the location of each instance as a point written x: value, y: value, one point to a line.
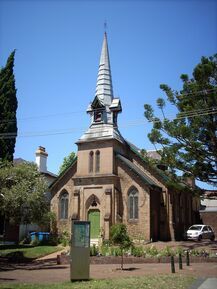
x: 94, y: 250
x: 116, y: 251
x: 53, y: 240
x: 119, y: 236
x: 137, y: 251
x: 179, y: 250
x: 106, y: 243
x: 195, y: 252
x: 167, y: 251
x: 151, y: 251
x: 64, y: 238
x: 104, y: 250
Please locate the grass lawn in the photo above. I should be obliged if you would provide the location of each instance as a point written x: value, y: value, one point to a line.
x: 154, y: 282
x: 28, y: 252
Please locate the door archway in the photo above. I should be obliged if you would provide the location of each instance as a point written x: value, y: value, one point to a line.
x: 94, y: 218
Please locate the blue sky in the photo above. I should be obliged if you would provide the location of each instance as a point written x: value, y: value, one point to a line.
x: 58, y: 48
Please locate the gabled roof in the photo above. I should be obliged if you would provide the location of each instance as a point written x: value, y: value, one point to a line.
x: 96, y: 103
x: 50, y: 174
x: 18, y: 161
x: 138, y: 171
x: 116, y: 105
x: 159, y: 172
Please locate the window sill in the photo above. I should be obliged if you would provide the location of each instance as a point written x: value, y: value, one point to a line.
x: 133, y: 221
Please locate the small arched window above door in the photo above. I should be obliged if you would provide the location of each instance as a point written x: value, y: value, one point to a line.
x: 133, y: 204
x: 63, y: 205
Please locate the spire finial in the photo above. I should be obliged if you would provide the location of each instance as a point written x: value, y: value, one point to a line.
x: 104, y: 91
x: 105, y: 26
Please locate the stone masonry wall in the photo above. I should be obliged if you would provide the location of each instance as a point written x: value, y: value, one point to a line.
x: 137, y: 229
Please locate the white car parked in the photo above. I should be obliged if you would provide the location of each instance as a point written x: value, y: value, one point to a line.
x: 199, y: 232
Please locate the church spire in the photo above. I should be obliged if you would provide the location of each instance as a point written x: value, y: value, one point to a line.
x: 104, y: 90
x: 104, y: 109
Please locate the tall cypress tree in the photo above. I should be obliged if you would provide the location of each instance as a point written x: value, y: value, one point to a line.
x: 8, y: 108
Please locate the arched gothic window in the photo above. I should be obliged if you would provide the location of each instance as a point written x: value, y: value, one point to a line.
x: 133, y: 207
x: 97, y: 161
x: 91, y: 162
x: 64, y: 202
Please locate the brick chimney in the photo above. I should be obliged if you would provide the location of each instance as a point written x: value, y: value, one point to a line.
x: 41, y: 159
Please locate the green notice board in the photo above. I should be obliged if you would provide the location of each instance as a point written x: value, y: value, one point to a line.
x: 81, y: 235
x: 80, y: 251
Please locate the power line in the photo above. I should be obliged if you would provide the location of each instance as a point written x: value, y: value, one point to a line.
x: 185, y: 113
x: 205, y: 91
x: 180, y: 113
x: 41, y: 116
x: 68, y: 131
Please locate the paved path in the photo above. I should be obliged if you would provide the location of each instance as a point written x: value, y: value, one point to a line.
x: 52, y: 255
x: 205, y: 283
x: 48, y: 272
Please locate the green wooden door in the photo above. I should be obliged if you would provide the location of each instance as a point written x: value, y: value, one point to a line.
x: 94, y: 218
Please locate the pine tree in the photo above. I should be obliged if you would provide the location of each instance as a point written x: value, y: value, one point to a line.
x: 189, y: 141
x: 8, y: 108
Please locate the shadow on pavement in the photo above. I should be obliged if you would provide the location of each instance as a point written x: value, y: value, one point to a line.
x: 128, y: 269
x: 35, y: 265
x: 204, y: 244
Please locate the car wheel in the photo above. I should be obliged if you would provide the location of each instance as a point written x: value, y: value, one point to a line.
x: 212, y: 238
x: 199, y: 238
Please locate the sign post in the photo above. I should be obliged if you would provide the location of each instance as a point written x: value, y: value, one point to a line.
x: 80, y: 251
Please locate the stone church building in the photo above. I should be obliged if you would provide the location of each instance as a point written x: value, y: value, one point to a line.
x: 109, y: 181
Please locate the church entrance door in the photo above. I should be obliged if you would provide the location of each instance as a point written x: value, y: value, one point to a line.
x: 94, y: 218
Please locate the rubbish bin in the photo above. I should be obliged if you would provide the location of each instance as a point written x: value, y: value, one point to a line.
x: 33, y: 236
x: 43, y: 236
x: 40, y: 236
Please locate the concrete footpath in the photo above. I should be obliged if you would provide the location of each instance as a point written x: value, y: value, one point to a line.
x: 49, y: 272
x: 205, y: 283
x: 46, y: 270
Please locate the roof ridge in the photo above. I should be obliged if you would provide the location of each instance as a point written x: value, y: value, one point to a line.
x: 159, y: 172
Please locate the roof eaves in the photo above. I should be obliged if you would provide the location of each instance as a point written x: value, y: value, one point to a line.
x: 50, y: 174
x: 159, y: 172
x: 137, y: 170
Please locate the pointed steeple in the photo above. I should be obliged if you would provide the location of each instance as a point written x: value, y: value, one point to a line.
x: 104, y: 90
x: 104, y: 109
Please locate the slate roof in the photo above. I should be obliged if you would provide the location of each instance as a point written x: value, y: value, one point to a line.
x: 101, y: 132
x: 137, y: 170
x: 134, y: 149
x: 19, y: 161
x: 104, y: 90
x: 154, y: 155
